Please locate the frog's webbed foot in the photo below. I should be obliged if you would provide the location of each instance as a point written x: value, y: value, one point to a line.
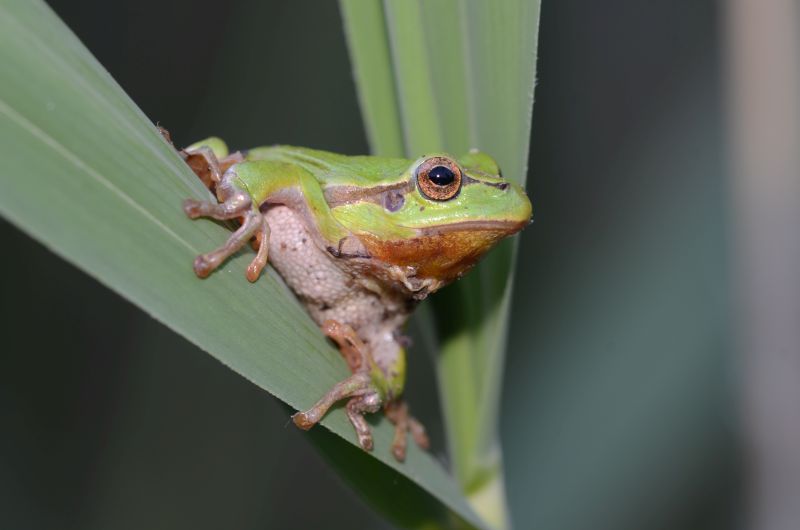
x: 397, y: 412
x: 236, y: 203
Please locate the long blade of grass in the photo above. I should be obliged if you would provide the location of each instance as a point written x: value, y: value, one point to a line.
x: 365, y: 29
x: 464, y: 75
x: 85, y: 172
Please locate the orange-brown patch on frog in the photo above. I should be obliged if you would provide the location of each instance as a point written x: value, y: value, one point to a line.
x: 441, y: 253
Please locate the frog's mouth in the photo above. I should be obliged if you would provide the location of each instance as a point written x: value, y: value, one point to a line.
x: 506, y: 226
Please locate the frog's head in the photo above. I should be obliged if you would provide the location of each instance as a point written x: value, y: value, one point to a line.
x: 445, y: 216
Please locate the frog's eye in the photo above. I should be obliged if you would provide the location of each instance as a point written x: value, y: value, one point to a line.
x: 439, y: 178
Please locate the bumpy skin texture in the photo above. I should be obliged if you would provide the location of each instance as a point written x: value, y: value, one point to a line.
x: 359, y: 240
x: 330, y: 292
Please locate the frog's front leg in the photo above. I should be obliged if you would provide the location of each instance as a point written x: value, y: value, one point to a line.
x: 244, y: 188
x: 236, y: 203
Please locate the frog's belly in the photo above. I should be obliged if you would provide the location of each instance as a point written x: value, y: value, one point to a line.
x: 327, y: 291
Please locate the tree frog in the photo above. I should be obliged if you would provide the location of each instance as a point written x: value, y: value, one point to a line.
x: 360, y: 240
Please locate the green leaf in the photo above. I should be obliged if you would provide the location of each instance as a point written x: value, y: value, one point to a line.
x: 365, y: 29
x: 85, y: 172
x: 464, y: 75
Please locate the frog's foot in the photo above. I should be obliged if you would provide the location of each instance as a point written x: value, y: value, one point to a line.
x: 364, y: 398
x: 235, y: 203
x: 350, y: 345
x: 397, y: 412
x: 356, y: 408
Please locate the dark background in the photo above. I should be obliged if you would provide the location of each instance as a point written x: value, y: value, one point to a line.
x: 620, y: 407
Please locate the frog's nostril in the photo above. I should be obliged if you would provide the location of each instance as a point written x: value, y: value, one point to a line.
x: 503, y: 186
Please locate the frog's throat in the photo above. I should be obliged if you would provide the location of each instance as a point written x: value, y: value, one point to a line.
x: 441, y: 254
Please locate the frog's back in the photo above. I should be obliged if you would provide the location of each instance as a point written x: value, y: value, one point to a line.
x: 333, y: 169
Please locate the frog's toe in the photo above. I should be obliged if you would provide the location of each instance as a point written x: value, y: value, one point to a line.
x: 397, y: 412
x: 365, y: 441
x: 303, y: 420
x: 194, y: 208
x: 254, y: 271
x: 260, y: 261
x: 204, y: 265
x: 356, y: 408
x: 418, y: 433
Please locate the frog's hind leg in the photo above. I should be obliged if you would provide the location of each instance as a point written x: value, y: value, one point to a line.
x: 359, y: 387
x: 235, y: 203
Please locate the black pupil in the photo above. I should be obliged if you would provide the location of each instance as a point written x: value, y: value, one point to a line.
x: 441, y: 175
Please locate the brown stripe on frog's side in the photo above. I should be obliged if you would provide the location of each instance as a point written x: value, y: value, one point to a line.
x: 466, y: 180
x: 341, y: 195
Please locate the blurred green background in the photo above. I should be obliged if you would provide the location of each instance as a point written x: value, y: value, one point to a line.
x: 620, y: 398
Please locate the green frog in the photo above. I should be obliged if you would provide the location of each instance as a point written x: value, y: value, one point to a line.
x: 360, y: 240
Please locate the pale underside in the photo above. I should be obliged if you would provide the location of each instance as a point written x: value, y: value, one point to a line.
x: 330, y: 291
